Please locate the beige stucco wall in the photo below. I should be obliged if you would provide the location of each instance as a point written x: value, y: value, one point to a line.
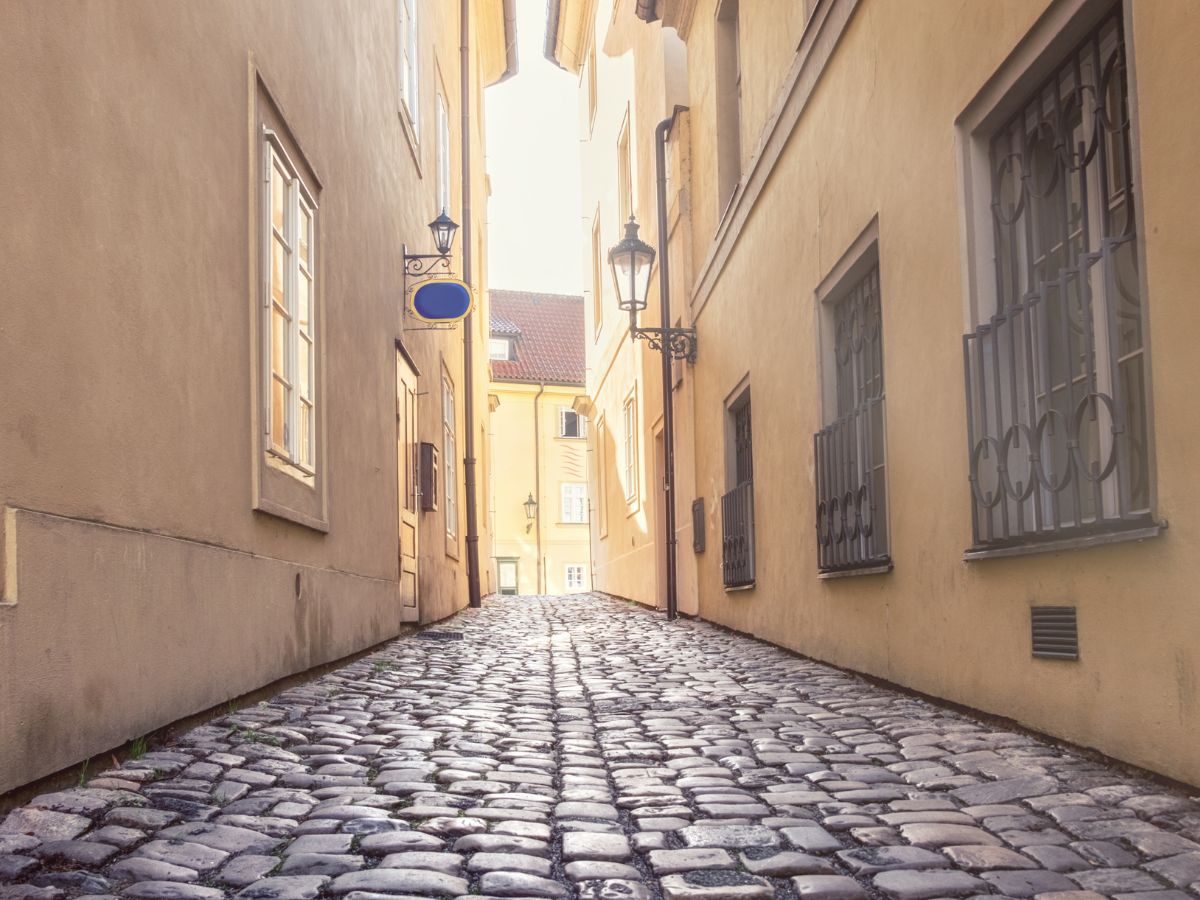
x: 640, y: 76
x: 517, y: 463
x: 878, y: 139
x: 140, y: 584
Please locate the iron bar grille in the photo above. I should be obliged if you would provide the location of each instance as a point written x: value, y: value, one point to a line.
x: 1056, y: 379
x: 852, y: 521
x: 1055, y: 632
x: 737, y: 505
x: 737, y: 536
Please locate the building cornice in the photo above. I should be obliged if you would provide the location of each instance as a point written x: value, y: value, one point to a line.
x: 567, y: 32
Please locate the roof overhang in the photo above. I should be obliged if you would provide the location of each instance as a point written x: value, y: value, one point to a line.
x: 567, y: 39
x: 497, y: 24
x: 675, y: 14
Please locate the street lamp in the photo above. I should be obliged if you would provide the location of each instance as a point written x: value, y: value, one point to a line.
x: 417, y: 265
x: 631, y: 260
x: 530, y: 512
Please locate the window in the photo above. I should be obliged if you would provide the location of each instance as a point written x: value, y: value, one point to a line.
x: 591, y: 82
x: 624, y: 173
x: 602, y: 458
x: 1056, y: 368
x: 571, y: 424
x: 409, y: 62
x: 449, y: 457
x: 737, y: 505
x: 574, y: 503
x: 629, y: 456
x: 443, y: 154
x: 574, y: 578
x: 500, y: 348
x: 849, y: 452
x: 729, y: 103
x: 597, y: 275
x: 289, y: 249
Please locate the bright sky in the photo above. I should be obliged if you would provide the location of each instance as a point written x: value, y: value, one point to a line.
x: 533, y: 161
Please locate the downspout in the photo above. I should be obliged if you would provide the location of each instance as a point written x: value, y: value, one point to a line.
x: 473, y: 594
x: 664, y: 293
x: 537, y: 481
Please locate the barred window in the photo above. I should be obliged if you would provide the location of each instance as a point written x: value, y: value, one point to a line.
x: 1057, y: 377
x: 852, y: 514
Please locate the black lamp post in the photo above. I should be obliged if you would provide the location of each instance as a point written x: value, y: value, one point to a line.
x: 530, y: 512
x: 417, y: 265
x: 631, y: 261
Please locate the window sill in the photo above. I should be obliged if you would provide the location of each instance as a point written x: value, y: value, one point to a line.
x: 881, y: 568
x: 739, y: 588
x: 1082, y: 542
x: 571, y: 523
x: 279, y: 511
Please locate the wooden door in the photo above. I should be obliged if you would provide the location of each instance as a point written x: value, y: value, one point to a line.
x: 407, y: 479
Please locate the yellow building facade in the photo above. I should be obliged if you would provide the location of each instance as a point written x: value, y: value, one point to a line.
x: 538, y: 493
x: 214, y: 402
x: 939, y: 269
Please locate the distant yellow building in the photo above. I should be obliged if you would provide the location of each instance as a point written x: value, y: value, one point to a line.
x: 538, y: 506
x: 949, y: 252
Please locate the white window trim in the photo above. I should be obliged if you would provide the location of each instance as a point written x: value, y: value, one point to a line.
x: 298, y: 199
x: 578, y: 584
x: 443, y: 154
x: 408, y: 63
x: 573, y: 495
x: 507, y: 342
x: 580, y: 424
x: 629, y: 467
x: 449, y: 457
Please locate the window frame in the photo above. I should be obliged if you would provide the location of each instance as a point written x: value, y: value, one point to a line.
x: 298, y: 451
x: 408, y: 65
x: 443, y: 153
x: 597, y: 276
x: 1038, y: 56
x: 861, y: 261
x: 728, y: 105
x: 449, y: 405
x: 581, y: 430
x: 508, y: 348
x: 625, y: 191
x: 601, y: 437
x: 629, y: 451
x: 573, y: 505
x: 567, y: 576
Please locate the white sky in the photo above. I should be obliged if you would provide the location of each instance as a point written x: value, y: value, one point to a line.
x: 533, y: 161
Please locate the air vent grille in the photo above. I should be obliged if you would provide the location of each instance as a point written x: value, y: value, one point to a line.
x: 1055, y: 632
x: 440, y: 635
x: 698, y: 525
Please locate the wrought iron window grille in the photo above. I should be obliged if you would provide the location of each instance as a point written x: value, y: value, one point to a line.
x: 1056, y: 378
x: 737, y: 505
x: 852, y: 522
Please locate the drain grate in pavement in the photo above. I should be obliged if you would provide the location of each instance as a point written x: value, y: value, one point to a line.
x: 440, y: 635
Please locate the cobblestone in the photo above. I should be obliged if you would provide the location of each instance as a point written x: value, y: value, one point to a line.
x: 581, y: 748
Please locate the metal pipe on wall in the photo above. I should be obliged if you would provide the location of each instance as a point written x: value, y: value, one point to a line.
x: 473, y: 594
x: 537, y: 482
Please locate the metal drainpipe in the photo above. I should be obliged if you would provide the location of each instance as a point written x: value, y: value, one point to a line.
x: 664, y: 293
x: 473, y: 594
x: 537, y: 481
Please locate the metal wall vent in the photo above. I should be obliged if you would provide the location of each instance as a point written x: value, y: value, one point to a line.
x: 440, y: 635
x: 698, y: 525
x: 1055, y: 632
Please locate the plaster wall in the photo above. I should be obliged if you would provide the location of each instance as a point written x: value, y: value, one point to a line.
x: 140, y: 584
x: 877, y: 139
x: 516, y: 464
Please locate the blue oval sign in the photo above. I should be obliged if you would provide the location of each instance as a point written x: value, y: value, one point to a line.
x: 441, y: 300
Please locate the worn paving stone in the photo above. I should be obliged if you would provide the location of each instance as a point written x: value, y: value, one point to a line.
x: 580, y: 747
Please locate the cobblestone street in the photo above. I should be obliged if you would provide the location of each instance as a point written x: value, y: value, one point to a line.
x: 580, y: 747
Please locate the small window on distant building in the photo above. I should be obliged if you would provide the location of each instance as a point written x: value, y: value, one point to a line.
x: 571, y: 424
x: 575, y: 578
x: 574, y: 503
x: 500, y: 348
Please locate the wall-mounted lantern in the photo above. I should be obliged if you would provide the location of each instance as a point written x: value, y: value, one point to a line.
x: 631, y: 261
x: 530, y: 513
x: 419, y: 265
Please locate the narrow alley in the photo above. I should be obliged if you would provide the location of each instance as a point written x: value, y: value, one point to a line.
x: 580, y: 746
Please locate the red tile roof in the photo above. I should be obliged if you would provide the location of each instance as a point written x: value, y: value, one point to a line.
x: 547, y: 330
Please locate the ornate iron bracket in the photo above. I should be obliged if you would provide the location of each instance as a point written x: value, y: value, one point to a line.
x: 679, y: 342
x: 421, y: 265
